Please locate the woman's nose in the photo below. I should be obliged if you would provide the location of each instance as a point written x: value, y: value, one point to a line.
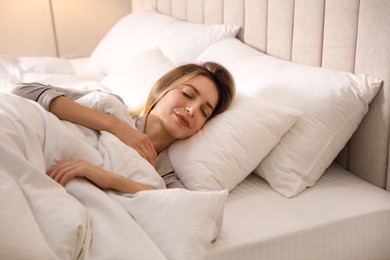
x: 190, y: 111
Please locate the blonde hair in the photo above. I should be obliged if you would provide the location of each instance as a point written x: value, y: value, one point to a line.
x: 179, y: 75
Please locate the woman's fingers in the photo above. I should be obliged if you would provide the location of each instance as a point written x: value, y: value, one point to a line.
x: 138, y: 141
x: 144, y: 147
x: 142, y: 144
x: 147, y: 151
x: 63, y: 172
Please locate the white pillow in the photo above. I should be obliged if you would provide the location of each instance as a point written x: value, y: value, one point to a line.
x: 181, y: 41
x: 231, y: 145
x: 134, y: 79
x: 180, y: 229
x: 333, y: 104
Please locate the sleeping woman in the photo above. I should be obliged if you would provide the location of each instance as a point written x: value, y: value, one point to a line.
x: 178, y: 105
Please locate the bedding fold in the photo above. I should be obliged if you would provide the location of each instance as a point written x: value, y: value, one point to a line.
x: 47, y: 220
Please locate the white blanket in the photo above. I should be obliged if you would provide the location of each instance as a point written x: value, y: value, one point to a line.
x: 40, y: 219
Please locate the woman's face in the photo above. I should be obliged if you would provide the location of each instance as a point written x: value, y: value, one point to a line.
x: 185, y: 109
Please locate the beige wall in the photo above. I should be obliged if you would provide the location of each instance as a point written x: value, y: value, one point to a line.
x: 81, y: 24
x: 27, y: 28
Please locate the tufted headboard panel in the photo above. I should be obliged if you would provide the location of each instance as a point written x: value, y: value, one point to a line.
x: 349, y: 35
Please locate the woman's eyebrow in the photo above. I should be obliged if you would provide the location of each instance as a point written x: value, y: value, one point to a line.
x: 198, y: 93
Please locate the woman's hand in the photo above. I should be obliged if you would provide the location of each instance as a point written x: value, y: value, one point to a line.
x: 66, y: 109
x: 137, y: 140
x: 63, y: 172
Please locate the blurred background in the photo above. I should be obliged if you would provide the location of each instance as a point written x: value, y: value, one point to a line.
x: 59, y: 28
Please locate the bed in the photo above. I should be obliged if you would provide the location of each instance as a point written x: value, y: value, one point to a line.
x: 297, y: 168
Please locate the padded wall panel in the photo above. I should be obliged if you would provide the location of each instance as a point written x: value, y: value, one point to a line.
x: 280, y: 28
x: 213, y: 11
x: 255, y: 33
x: 164, y: 6
x: 369, y: 146
x: 179, y: 9
x: 340, y: 32
x: 308, y: 32
x: 234, y: 11
x: 195, y: 11
x: 150, y: 3
x: 388, y: 172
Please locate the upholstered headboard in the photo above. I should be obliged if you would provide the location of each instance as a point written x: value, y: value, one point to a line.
x: 349, y: 35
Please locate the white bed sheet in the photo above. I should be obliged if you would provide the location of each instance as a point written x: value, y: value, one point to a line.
x: 48, y: 70
x: 341, y: 217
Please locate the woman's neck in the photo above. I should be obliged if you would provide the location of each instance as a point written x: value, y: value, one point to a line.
x: 157, y: 133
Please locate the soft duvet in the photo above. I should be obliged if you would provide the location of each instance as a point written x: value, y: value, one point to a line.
x: 40, y: 219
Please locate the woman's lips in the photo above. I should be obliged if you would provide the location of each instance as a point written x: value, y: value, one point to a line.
x: 183, y: 120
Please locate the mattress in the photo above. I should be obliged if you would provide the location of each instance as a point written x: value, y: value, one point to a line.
x: 335, y: 219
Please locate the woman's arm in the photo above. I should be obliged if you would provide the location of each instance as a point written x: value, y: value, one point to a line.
x: 63, y: 172
x: 66, y: 109
x: 60, y: 102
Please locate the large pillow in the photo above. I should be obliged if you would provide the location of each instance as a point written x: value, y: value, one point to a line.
x: 231, y: 145
x: 180, y: 229
x: 181, y: 41
x: 134, y: 79
x: 333, y: 104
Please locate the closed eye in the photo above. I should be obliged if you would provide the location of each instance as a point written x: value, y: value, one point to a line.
x: 204, y: 113
x: 187, y: 95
